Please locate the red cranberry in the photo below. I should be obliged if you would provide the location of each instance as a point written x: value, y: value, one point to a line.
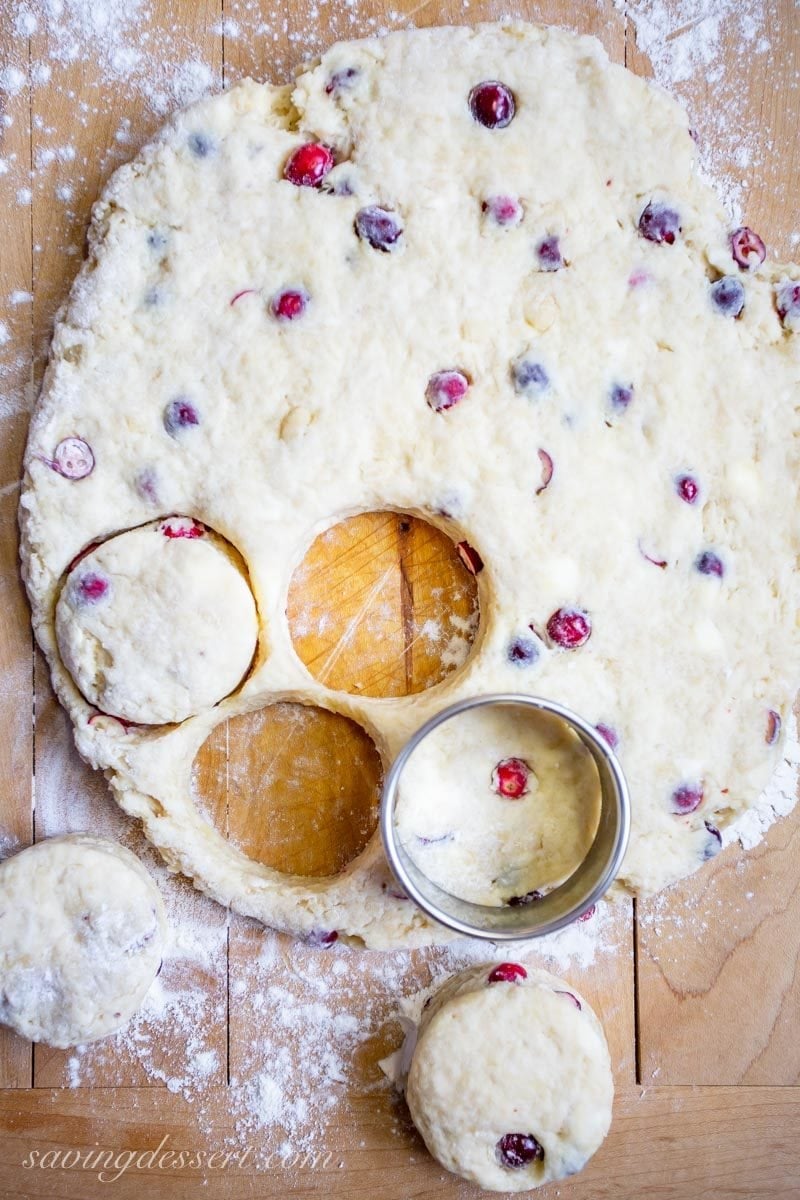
x: 787, y: 300
x: 621, y: 395
x: 548, y: 253
x: 445, y: 389
x: 322, y: 937
x: 727, y: 296
x: 73, y: 458
x: 523, y: 652
x: 687, y: 488
x: 342, y: 81
x: 507, y: 972
x: 469, y: 557
x: 571, y: 996
x: 773, y: 727
x: 243, y: 292
x: 609, y: 735
x: 92, y: 587
x: 289, y: 304
x: 182, y: 527
x: 709, y: 563
x: 503, y: 210
x: 713, y: 843
x: 569, y: 628
x: 590, y: 911
x: 378, y: 226
x: 515, y: 1150
x: 747, y: 248
x: 510, y: 778
x: 547, y: 470
x: 687, y: 797
x: 180, y: 414
x: 308, y: 165
x: 528, y: 898
x: 492, y: 104
x: 529, y: 377
x: 660, y: 223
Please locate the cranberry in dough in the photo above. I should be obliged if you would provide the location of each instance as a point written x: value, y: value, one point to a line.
x: 472, y: 274
x: 510, y: 1079
x: 158, y: 623
x: 82, y: 933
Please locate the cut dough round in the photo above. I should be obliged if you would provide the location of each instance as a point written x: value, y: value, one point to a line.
x: 510, y: 1081
x: 499, y: 803
x: 514, y: 331
x: 82, y: 932
x: 157, y: 623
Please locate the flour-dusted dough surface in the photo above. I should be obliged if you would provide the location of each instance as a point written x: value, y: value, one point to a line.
x: 82, y: 932
x: 522, y: 1055
x: 157, y: 623
x: 498, y: 803
x: 639, y: 380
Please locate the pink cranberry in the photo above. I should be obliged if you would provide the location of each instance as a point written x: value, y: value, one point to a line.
x: 657, y: 562
x: 569, y: 628
x: 609, y: 735
x: 747, y: 248
x: 469, y: 557
x: 492, y: 104
x: 515, y: 1150
x: 510, y: 778
x: 244, y: 292
x: 308, y: 165
x: 378, y: 226
x: 146, y: 485
x: 73, y: 458
x: 621, y: 395
x: 571, y: 996
x: 547, y: 470
x: 687, y: 488
x: 100, y: 715
x: 342, y: 81
x: 713, y: 843
x: 522, y: 652
x: 503, y: 210
x: 787, y: 300
x: 660, y: 223
x: 686, y: 798
x: 548, y: 253
x: 93, y: 587
x: 709, y: 563
x: 528, y: 898
x: 590, y: 911
x: 639, y: 277
x: 773, y: 727
x: 445, y: 389
x: 180, y: 415
x: 727, y: 296
x: 507, y: 972
x: 290, y: 304
x: 182, y: 527
x: 322, y: 937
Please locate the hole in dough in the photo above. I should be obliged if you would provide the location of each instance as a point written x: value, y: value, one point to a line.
x: 382, y: 605
x: 293, y: 786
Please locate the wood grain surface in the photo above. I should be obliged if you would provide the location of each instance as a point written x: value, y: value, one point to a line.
x: 700, y: 996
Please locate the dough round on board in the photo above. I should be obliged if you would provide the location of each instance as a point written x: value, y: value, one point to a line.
x: 82, y: 931
x: 510, y: 1081
x: 157, y: 623
x: 505, y: 301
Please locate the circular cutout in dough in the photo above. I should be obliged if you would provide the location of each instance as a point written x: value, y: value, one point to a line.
x: 82, y: 933
x: 510, y: 1081
x: 157, y: 623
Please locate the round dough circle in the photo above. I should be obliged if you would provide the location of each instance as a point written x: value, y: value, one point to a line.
x: 82, y: 932
x: 523, y: 1057
x: 157, y: 623
x: 591, y: 368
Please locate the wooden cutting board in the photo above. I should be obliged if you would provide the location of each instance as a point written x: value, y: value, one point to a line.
x: 700, y: 997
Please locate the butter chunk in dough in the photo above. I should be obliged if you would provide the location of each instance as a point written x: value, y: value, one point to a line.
x: 157, y: 623
x: 82, y: 933
x: 510, y: 1081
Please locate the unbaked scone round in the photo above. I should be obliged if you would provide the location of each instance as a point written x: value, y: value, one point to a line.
x: 157, y: 623
x: 527, y: 334
x: 510, y: 1081
x: 82, y: 932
